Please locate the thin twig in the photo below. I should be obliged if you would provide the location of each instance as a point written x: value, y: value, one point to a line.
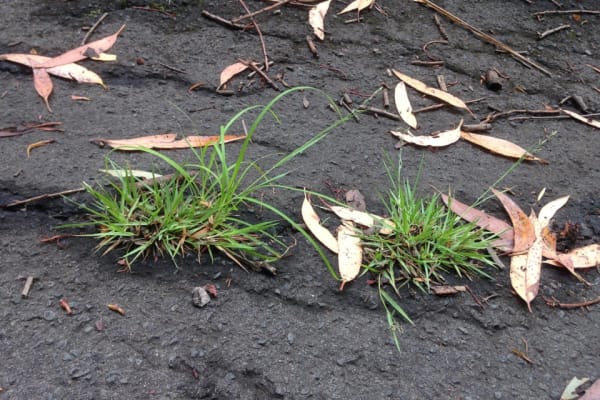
x: 223, y: 21
x: 262, y: 10
x: 27, y: 287
x: 540, y: 13
x: 260, y: 36
x: 553, y: 30
x: 555, y: 303
x: 41, y: 197
x: 442, y: 105
x: 488, y: 38
x: 93, y: 28
x: 495, y: 115
x: 382, y: 112
x: 252, y: 65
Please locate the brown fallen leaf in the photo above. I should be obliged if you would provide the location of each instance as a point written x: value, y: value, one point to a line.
x: 403, y: 105
x: 525, y: 269
x: 433, y: 92
x: 93, y: 49
x: 582, y: 118
x: 500, y: 146
x: 524, y: 231
x: 313, y: 222
x: 165, y: 141
x: 43, y: 85
x: 316, y: 17
x: 69, y: 71
x: 116, y: 308
x: 357, y: 5
x: 485, y: 221
x: 350, y: 252
x: 38, y: 144
x: 579, y: 258
x: 436, y: 140
x: 231, y: 71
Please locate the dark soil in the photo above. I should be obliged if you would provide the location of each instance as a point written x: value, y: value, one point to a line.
x: 294, y: 335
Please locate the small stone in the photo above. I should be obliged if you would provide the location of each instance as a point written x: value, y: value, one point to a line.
x: 291, y: 338
x: 497, y: 395
x: 200, y: 297
x: 77, y: 373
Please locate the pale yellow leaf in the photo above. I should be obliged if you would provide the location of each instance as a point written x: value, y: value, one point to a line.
x: 433, y: 92
x: 313, y: 223
x: 579, y: 258
x: 105, y: 57
x: 548, y: 211
x: 582, y: 118
x: 500, y: 146
x: 385, y: 225
x: 136, y: 173
x: 436, y: 140
x: 403, y: 105
x: 316, y: 17
x: 231, y: 71
x: 357, y: 5
x: 570, y: 392
x: 525, y: 269
x: 350, y: 252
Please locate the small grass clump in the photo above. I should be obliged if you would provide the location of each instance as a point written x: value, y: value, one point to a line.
x: 200, y: 207
x: 428, y: 241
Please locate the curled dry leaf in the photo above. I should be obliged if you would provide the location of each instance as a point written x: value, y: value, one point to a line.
x: 313, y: 222
x: 230, y: 71
x: 524, y: 231
x: 433, y: 92
x: 93, y: 49
x: 165, y: 142
x: 485, y: 221
x: 386, y: 226
x: 68, y: 71
x: 38, y: 144
x: 436, y: 140
x: 500, y: 146
x: 582, y: 118
x: 357, y: 5
x: 525, y: 269
x: 316, y: 17
x: 403, y: 105
x: 116, y: 308
x: 350, y: 252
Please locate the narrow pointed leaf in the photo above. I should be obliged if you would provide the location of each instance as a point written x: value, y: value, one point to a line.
x: 524, y: 232
x: 547, y: 212
x: 500, y: 146
x: 316, y: 18
x: 579, y: 258
x: 436, y: 140
x: 350, y: 252
x: 165, y: 141
x: 582, y: 118
x: 525, y: 269
x: 43, y: 85
x: 385, y: 225
x: 357, y: 5
x: 93, y: 49
x: 403, y: 105
x: 433, y: 92
x: 484, y: 221
x: 313, y: 223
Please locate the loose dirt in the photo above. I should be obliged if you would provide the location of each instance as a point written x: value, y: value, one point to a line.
x: 293, y: 335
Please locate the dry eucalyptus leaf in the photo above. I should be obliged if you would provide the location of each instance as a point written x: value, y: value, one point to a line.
x: 350, y: 252
x: 433, y: 92
x: 403, y: 105
x: 525, y: 269
x: 436, y: 140
x: 524, y: 231
x: 316, y: 17
x: 357, y: 5
x: 500, y: 146
x: 313, y: 223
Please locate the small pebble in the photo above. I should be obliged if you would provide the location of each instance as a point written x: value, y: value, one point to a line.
x: 291, y: 338
x: 49, y: 315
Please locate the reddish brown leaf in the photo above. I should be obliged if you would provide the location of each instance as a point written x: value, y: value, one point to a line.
x: 165, y: 141
x: 525, y: 269
x: 524, y: 233
x: 92, y: 49
x: 43, y: 85
x: 484, y: 221
x: 593, y: 392
x: 500, y: 146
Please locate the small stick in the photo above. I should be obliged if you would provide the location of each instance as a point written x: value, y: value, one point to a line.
x: 476, y: 128
x: 442, y: 105
x: 494, y: 116
x: 252, y: 65
x: 260, y: 35
x: 386, y: 97
x: 551, y: 31
x: 41, y: 197
x: 168, y: 14
x: 538, y: 14
x: 441, y: 80
x: 555, y: 303
x: 93, y: 28
x: 27, y: 287
x: 426, y: 51
x: 597, y: 69
x: 312, y: 47
x: 440, y: 27
x: 379, y: 111
x: 474, y: 297
x: 223, y: 21
x: 488, y: 38
x: 262, y: 10
x: 428, y: 63
x: 173, y: 68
